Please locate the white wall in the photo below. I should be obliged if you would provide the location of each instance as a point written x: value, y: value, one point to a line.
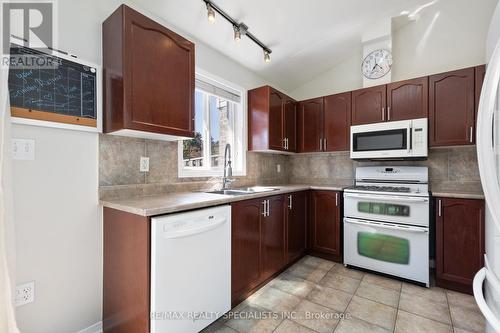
x: 448, y: 35
x: 57, y: 217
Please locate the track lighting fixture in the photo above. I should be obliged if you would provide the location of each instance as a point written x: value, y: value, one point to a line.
x: 210, y: 13
x: 240, y: 29
x: 267, y: 57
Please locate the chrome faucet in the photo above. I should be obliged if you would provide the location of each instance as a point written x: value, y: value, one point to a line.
x: 228, y: 170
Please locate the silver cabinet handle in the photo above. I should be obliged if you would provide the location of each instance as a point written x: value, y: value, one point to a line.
x: 439, y: 207
x: 290, y: 202
x: 324, y: 144
x: 388, y: 113
x: 471, y: 133
x: 268, y: 205
x: 383, y: 113
x: 264, y: 211
x: 287, y: 144
x: 337, y: 199
x: 320, y: 144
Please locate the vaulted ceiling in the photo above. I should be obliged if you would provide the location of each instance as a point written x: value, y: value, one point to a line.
x: 306, y: 37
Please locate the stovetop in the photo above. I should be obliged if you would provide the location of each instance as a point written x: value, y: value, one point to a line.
x: 400, y: 189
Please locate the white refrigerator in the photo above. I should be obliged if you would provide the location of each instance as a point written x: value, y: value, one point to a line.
x: 486, y: 281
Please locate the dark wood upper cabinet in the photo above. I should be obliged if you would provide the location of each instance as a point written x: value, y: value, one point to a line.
x: 451, y: 108
x: 296, y: 224
x: 337, y: 122
x: 459, y: 242
x: 368, y: 105
x: 310, y: 125
x: 479, y: 73
x: 325, y: 221
x: 245, y: 247
x: 271, y: 120
x: 408, y: 99
x: 149, y: 76
x: 290, y: 124
x: 273, y: 237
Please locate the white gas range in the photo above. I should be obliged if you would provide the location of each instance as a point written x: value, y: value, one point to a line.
x: 386, y: 221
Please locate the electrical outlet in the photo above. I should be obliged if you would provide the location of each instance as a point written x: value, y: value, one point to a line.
x: 25, y: 293
x: 23, y: 149
x: 278, y: 168
x: 144, y: 164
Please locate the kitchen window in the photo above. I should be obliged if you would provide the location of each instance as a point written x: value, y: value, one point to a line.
x: 219, y: 119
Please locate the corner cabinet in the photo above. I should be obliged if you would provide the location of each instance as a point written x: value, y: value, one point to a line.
x: 325, y: 224
x: 271, y: 120
x: 149, y: 77
x: 310, y: 125
x: 459, y: 242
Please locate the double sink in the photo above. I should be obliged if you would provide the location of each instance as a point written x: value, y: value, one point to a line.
x: 244, y: 190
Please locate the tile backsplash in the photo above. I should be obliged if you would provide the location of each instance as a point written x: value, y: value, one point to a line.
x: 449, y: 168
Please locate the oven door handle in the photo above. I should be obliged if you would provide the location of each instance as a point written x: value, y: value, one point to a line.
x: 387, y: 226
x: 385, y: 197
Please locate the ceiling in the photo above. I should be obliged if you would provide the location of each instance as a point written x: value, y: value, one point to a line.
x: 306, y: 37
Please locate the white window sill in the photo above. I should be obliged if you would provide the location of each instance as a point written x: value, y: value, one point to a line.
x: 192, y: 173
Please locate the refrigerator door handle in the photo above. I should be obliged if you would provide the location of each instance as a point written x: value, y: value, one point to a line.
x: 477, y: 286
x: 485, y: 152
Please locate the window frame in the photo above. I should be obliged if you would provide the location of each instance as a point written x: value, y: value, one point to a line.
x: 238, y: 135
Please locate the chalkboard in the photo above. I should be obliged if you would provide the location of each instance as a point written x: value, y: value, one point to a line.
x: 67, y: 92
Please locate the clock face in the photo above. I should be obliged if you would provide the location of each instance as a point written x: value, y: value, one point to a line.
x: 377, y: 64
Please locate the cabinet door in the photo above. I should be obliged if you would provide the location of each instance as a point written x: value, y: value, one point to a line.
x: 245, y: 240
x: 273, y: 237
x: 296, y: 224
x: 276, y: 136
x: 325, y: 223
x: 310, y: 127
x: 408, y: 99
x: 290, y: 124
x: 337, y: 122
x: 479, y: 73
x: 459, y: 242
x: 451, y: 108
x: 159, y: 77
x: 368, y: 105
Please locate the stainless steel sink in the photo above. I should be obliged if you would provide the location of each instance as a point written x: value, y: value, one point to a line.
x: 245, y: 190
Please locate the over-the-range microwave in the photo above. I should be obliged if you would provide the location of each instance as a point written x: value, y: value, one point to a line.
x: 405, y: 139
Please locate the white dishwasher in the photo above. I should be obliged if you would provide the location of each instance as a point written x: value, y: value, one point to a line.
x: 190, y: 269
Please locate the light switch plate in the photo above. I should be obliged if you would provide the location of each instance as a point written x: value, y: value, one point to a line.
x: 144, y: 164
x: 278, y: 168
x: 23, y: 149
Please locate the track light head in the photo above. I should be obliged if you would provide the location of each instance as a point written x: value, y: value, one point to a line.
x: 267, y: 57
x: 237, y: 33
x: 210, y: 13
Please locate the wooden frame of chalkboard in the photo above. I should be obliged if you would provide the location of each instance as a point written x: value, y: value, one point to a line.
x: 57, y: 107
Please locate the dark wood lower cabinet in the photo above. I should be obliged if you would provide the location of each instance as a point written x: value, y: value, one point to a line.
x: 273, y: 237
x: 296, y: 224
x: 325, y: 224
x: 459, y: 242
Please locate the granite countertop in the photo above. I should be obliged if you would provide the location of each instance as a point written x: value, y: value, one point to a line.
x: 461, y: 194
x: 177, y: 202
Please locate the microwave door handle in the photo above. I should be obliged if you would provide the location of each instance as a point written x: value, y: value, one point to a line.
x: 387, y: 226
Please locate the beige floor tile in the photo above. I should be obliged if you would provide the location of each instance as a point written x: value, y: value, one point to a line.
x: 307, y: 272
x: 288, y: 326
x: 378, y: 294
x: 332, y: 298
x: 316, y: 317
x: 435, y: 294
x: 292, y: 285
x: 411, y: 323
x: 372, y: 312
x: 355, y: 325
x: 424, y: 307
x: 275, y: 300
x: 218, y: 327
x: 317, y: 262
x: 463, y: 300
x: 254, y: 320
x: 382, y: 281
x: 340, y: 282
x: 349, y: 272
x: 459, y: 330
x: 467, y: 318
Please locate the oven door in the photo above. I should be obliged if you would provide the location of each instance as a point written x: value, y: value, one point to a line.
x: 388, y: 208
x: 393, y: 249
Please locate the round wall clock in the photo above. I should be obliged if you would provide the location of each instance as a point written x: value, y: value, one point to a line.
x: 377, y: 64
